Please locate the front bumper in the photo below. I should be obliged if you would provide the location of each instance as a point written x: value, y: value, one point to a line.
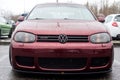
x: 4, y: 32
x: 30, y: 54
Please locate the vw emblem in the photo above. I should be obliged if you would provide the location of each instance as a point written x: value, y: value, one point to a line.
x: 62, y: 38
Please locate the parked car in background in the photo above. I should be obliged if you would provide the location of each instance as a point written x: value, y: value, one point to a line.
x: 11, y: 22
x: 112, y: 23
x: 19, y: 20
x: 5, y: 27
x: 101, y: 18
x: 61, y: 38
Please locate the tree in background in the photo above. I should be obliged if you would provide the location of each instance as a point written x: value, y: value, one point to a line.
x: 6, y: 14
x: 105, y: 7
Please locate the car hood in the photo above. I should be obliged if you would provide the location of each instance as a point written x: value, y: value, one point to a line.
x: 69, y: 27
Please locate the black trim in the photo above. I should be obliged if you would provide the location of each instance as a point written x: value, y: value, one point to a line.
x: 0, y: 33
x: 63, y: 73
x: 55, y: 38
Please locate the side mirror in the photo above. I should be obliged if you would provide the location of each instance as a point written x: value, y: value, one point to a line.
x: 21, y: 18
x: 101, y: 19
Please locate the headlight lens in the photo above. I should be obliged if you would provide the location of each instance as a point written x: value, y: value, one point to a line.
x: 100, y: 38
x: 24, y: 37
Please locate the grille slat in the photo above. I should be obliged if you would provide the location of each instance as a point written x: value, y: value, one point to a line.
x: 55, y: 38
x: 61, y: 63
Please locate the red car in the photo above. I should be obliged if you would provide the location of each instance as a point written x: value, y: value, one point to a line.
x: 61, y: 38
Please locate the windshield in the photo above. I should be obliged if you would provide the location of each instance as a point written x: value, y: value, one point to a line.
x: 61, y: 12
x: 3, y: 20
x: 117, y: 18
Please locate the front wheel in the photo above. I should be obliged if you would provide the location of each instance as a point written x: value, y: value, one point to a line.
x: 10, y: 33
x: 9, y: 36
x: 0, y: 33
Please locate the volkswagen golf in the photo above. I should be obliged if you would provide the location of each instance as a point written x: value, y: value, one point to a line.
x: 61, y: 38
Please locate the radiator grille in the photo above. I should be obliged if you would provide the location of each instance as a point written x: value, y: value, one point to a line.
x: 61, y: 63
x: 55, y: 38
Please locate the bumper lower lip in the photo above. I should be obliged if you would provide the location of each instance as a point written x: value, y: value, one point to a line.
x: 63, y: 73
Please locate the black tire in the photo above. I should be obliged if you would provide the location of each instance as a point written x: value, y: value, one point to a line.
x: 10, y: 33
x: 118, y: 36
x: 0, y: 33
x: 114, y: 38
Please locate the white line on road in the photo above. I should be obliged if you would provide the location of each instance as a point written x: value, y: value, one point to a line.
x: 116, y: 61
x: 4, y: 57
x: 5, y: 66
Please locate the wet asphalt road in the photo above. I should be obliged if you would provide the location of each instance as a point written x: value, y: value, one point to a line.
x: 6, y: 72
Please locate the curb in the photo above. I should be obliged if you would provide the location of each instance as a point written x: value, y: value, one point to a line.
x: 4, y: 41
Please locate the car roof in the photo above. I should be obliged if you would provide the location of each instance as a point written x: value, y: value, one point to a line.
x: 64, y: 4
x: 113, y: 14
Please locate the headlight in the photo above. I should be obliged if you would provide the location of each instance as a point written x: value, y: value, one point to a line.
x: 100, y: 38
x: 24, y: 37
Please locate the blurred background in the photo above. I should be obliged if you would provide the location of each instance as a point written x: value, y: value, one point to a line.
x: 11, y: 9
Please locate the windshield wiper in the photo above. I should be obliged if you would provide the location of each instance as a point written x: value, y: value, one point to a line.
x: 38, y: 18
x: 67, y: 18
x: 44, y: 18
